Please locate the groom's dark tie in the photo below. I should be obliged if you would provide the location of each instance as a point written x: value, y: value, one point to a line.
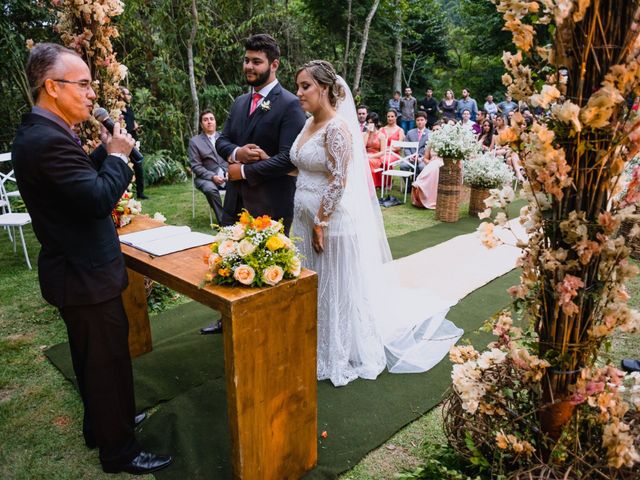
x: 254, y: 102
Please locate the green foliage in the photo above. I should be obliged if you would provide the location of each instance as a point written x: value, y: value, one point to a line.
x: 161, y: 298
x: 160, y: 167
x: 442, y: 463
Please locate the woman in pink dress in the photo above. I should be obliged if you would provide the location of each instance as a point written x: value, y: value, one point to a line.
x: 390, y: 132
x: 373, y: 141
x: 424, y: 191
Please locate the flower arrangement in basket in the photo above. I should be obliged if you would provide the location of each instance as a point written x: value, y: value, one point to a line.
x: 482, y: 173
x: 486, y: 171
x: 454, y: 142
x: 253, y: 252
x: 575, y: 262
x: 125, y: 209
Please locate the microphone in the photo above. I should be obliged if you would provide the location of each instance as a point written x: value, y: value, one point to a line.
x: 103, y: 117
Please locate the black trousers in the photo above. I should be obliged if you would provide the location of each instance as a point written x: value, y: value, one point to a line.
x: 98, y: 339
x: 137, y: 170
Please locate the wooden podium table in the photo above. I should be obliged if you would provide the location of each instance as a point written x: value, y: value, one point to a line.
x: 269, y: 356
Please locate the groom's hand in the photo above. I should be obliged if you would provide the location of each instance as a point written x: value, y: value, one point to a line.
x: 248, y: 154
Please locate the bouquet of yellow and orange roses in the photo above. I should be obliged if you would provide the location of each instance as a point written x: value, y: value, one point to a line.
x: 253, y: 252
x: 125, y: 209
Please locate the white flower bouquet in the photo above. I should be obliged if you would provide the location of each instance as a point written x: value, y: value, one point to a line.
x: 454, y: 142
x: 253, y: 252
x: 486, y: 171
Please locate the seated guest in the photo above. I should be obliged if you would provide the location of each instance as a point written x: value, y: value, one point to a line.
x: 477, y: 127
x: 419, y: 134
x: 424, y: 191
x: 373, y: 142
x: 390, y: 132
x: 466, y: 120
x: 486, y: 138
x: 362, y: 117
x: 209, y: 169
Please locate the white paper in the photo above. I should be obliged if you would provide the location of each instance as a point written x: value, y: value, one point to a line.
x: 167, y: 239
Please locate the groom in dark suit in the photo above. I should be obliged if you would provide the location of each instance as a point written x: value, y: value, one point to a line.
x: 257, y: 137
x: 256, y: 140
x: 70, y: 196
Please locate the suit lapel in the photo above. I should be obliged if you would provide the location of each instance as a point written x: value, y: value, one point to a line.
x: 260, y: 112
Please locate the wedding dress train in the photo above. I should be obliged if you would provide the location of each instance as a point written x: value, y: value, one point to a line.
x: 367, y: 320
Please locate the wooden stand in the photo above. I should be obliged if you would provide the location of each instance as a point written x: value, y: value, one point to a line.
x: 270, y: 337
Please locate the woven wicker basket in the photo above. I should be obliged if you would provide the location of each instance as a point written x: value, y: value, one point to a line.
x: 633, y: 243
x: 476, y: 200
x: 449, y: 186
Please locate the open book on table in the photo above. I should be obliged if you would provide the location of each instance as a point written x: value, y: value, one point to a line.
x: 164, y: 240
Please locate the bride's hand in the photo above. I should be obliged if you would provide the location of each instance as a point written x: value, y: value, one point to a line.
x: 318, y: 239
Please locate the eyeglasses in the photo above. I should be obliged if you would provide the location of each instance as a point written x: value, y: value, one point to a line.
x: 84, y: 84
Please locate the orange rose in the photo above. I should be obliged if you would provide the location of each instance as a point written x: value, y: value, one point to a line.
x: 272, y: 275
x: 245, y: 218
x: 244, y: 274
x: 262, y: 222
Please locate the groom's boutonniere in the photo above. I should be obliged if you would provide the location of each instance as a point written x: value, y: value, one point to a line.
x: 265, y: 105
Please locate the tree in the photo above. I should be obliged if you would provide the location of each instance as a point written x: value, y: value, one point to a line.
x: 363, y: 46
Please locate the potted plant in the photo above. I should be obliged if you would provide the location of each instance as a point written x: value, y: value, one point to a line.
x: 452, y: 143
x: 482, y: 173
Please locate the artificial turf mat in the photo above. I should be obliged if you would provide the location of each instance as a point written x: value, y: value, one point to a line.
x: 184, y: 378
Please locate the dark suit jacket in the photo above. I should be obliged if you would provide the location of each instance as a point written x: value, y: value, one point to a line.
x: 267, y: 188
x: 204, y: 159
x: 70, y: 196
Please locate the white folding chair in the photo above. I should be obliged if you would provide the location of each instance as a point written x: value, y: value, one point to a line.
x: 8, y: 177
x: 11, y: 221
x: 409, y: 161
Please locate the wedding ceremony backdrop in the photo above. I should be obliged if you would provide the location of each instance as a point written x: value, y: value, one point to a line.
x: 544, y: 399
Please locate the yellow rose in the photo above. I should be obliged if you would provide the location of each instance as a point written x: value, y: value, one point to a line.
x: 275, y: 243
x: 272, y: 275
x: 244, y: 274
x: 245, y: 247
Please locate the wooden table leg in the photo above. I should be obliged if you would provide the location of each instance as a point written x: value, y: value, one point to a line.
x: 270, y: 365
x: 134, y: 299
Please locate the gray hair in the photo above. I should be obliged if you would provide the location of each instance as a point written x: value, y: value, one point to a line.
x: 42, y: 59
x: 324, y: 74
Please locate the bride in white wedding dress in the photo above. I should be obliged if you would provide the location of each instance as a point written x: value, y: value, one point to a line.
x: 367, y: 320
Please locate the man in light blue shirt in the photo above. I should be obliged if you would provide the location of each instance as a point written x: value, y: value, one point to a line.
x: 467, y: 103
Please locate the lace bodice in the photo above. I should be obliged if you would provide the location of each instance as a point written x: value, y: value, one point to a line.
x: 322, y: 161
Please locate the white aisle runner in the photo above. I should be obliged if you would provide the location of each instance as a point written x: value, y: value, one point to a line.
x: 415, y: 332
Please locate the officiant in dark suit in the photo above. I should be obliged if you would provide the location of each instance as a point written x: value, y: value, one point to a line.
x: 257, y: 137
x: 70, y: 196
x: 209, y: 169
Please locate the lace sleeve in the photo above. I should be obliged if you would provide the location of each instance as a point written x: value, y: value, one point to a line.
x: 338, y: 145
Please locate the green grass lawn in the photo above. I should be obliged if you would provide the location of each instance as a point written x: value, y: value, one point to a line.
x: 40, y: 412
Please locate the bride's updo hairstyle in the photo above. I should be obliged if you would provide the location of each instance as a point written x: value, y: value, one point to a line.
x: 324, y: 74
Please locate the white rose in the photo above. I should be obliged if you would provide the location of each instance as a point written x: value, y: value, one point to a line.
x: 245, y: 247
x: 272, y: 275
x: 159, y: 217
x: 276, y: 225
x: 295, y: 267
x: 227, y: 247
x: 244, y: 274
x: 237, y: 232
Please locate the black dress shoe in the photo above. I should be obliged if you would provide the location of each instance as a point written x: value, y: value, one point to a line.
x: 145, y: 462
x: 630, y: 365
x: 90, y: 442
x: 213, y: 328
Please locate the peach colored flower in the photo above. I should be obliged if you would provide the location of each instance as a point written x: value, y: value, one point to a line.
x: 227, y: 248
x: 244, y: 274
x: 245, y: 248
x: 272, y: 275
